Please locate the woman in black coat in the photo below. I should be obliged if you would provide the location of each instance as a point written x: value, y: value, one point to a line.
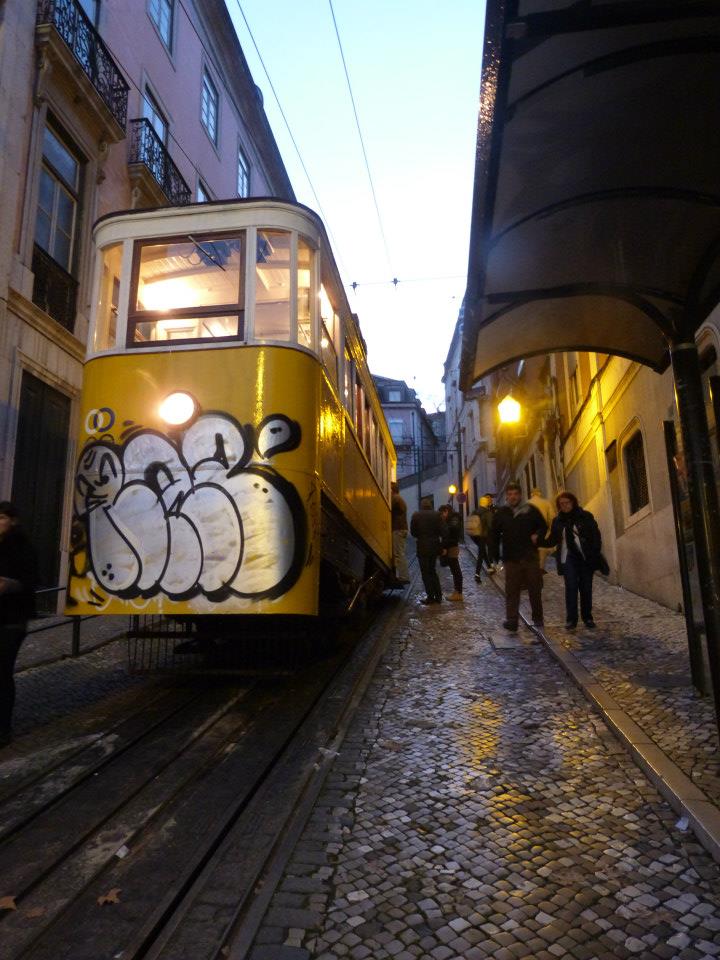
x: 17, y: 606
x: 577, y: 537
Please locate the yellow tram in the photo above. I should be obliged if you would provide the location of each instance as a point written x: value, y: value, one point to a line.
x: 234, y: 457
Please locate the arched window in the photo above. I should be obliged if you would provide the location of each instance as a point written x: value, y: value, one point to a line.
x: 636, y: 473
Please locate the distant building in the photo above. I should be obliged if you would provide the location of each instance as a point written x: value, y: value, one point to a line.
x: 469, y: 425
x: 103, y: 107
x: 419, y: 440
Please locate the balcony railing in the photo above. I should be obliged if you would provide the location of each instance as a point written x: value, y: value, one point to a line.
x: 54, y: 290
x: 74, y: 26
x: 147, y: 148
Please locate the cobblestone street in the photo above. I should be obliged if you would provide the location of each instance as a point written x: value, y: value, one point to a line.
x: 480, y: 808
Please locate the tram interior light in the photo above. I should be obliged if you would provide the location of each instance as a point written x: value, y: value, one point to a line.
x: 177, y: 408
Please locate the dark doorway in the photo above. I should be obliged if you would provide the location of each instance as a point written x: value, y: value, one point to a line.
x: 39, y: 475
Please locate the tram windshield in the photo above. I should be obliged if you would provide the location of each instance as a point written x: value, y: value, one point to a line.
x: 188, y: 288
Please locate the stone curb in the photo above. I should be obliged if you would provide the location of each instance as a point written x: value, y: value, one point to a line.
x: 676, y: 787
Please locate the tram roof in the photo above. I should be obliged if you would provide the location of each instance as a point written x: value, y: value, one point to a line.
x: 596, y: 208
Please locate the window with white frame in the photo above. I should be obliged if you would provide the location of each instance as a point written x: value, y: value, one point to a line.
x: 243, y: 175
x: 58, y: 197
x: 636, y: 473
x: 153, y: 113
x: 396, y: 430
x: 209, y: 102
x: 394, y: 396
x: 161, y: 14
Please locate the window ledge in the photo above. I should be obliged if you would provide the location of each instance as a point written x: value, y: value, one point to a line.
x: 44, y: 324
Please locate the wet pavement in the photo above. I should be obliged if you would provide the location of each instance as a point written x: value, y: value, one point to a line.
x: 479, y: 807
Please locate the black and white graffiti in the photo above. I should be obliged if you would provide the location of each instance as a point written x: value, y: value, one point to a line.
x: 196, y: 515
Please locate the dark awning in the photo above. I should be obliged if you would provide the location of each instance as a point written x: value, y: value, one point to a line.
x: 596, y: 213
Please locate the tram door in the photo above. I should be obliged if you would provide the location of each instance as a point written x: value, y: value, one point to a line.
x: 39, y: 474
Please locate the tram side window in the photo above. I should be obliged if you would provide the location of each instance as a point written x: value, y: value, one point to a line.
x: 272, y: 285
x: 329, y: 326
x: 348, y: 388
x: 359, y: 408
x: 188, y: 289
x: 106, y: 319
x: 304, y: 284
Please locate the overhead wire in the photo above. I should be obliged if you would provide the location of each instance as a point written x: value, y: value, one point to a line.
x: 362, y: 144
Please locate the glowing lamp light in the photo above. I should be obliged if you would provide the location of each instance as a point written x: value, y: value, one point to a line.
x: 177, y: 408
x: 509, y: 410
x: 324, y: 343
x: 452, y: 489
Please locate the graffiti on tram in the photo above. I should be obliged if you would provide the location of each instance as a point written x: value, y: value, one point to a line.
x: 199, y: 514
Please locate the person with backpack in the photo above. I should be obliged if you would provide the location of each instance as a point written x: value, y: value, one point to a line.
x: 477, y: 527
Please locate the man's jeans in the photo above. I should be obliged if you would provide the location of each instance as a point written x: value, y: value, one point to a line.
x: 520, y: 575
x: 11, y: 637
x: 399, y: 539
x: 428, y: 571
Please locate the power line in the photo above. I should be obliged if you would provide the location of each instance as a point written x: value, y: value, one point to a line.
x: 395, y: 281
x: 179, y: 145
x: 282, y: 114
x: 362, y: 142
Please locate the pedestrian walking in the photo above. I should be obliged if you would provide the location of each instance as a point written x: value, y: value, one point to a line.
x: 516, y: 529
x: 17, y: 606
x: 450, y: 548
x: 399, y: 522
x: 576, y: 535
x: 548, y: 513
x: 426, y: 527
x: 477, y: 527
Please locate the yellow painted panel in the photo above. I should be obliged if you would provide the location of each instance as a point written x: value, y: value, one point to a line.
x: 220, y: 515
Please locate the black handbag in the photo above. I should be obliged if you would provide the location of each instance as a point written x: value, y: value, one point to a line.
x: 603, y: 566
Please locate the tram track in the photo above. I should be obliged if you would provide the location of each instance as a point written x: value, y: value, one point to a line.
x: 108, y: 852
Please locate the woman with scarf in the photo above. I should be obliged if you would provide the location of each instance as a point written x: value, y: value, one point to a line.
x: 577, y: 537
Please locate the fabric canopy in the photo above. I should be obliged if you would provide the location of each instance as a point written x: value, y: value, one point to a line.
x: 596, y: 211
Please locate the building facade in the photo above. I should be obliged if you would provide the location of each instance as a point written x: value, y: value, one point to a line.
x: 419, y: 440
x: 594, y: 424
x: 105, y: 105
x: 471, y: 443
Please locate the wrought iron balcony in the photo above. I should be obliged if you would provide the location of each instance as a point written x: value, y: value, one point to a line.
x: 54, y: 290
x: 82, y: 39
x: 147, y: 148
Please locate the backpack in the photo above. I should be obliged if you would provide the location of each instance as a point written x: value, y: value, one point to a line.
x: 473, y: 525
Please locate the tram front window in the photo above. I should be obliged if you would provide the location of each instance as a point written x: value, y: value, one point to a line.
x: 190, y: 288
x: 272, y: 285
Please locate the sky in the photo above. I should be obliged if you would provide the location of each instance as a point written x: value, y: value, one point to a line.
x: 414, y: 68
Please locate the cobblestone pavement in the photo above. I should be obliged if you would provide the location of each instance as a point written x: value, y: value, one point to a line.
x: 639, y: 653
x: 479, y: 808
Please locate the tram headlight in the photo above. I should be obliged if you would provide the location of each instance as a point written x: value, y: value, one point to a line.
x: 178, y: 408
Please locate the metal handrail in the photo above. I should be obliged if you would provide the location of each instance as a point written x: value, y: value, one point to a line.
x: 75, y: 621
x: 147, y: 148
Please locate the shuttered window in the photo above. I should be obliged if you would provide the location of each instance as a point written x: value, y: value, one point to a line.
x: 636, y: 473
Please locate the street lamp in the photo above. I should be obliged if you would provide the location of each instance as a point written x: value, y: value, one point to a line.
x: 452, y: 490
x: 509, y: 410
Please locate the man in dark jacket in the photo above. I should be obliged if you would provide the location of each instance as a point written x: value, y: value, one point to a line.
x: 17, y: 606
x: 426, y: 527
x: 517, y: 527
